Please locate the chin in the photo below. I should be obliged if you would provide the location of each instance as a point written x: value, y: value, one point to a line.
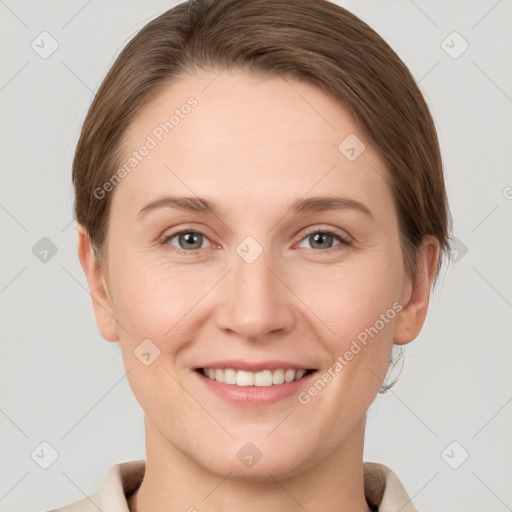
x: 259, y: 461
x: 262, y: 471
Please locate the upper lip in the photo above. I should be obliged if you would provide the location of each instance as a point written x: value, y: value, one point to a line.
x: 255, y: 366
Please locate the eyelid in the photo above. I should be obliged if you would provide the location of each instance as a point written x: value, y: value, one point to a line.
x: 343, y: 237
x: 187, y: 229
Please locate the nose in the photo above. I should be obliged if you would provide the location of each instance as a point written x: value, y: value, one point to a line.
x: 256, y: 301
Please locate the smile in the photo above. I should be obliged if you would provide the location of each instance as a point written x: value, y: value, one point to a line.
x: 264, y: 378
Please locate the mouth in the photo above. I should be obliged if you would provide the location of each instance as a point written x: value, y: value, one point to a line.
x: 263, y: 378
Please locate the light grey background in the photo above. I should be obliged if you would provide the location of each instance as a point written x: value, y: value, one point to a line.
x: 63, y: 384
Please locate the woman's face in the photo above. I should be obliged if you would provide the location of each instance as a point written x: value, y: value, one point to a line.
x: 252, y: 283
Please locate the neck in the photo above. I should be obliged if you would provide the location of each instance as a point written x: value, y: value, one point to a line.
x: 174, y: 483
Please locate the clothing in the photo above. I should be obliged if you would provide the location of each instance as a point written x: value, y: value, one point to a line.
x: 383, y: 489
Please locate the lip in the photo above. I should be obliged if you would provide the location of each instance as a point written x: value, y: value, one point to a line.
x: 251, y: 366
x: 251, y: 396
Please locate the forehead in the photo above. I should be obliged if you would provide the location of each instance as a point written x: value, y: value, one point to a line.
x: 248, y: 136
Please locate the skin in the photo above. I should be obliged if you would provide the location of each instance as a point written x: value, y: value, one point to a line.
x: 253, y: 145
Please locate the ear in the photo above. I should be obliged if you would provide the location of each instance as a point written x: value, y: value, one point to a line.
x: 416, y: 293
x: 101, y: 301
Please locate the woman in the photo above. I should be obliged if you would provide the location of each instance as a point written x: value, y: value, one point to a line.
x: 261, y: 216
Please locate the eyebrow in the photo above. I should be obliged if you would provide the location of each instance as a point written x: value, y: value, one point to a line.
x: 206, y: 207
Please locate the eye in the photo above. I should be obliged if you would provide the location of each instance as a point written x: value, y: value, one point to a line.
x: 323, y: 238
x: 190, y: 239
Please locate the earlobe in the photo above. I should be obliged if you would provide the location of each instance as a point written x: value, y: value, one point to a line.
x: 416, y: 295
x: 101, y: 300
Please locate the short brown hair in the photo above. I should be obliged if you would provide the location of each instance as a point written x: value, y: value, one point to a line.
x: 311, y: 40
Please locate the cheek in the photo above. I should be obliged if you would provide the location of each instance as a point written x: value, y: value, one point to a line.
x: 347, y: 299
x: 151, y: 298
x: 357, y: 309
x: 156, y: 300
x: 154, y: 304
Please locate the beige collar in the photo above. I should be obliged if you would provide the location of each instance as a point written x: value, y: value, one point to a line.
x: 383, y: 490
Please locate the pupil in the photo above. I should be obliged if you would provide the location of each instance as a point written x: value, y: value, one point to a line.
x: 320, y: 238
x: 191, y: 238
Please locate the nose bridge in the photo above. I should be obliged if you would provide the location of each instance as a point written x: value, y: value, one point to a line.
x: 256, y: 302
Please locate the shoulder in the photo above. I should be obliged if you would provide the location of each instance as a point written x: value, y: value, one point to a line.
x: 384, y: 490
x: 84, y: 505
x: 117, y: 483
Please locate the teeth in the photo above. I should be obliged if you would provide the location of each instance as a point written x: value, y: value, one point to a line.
x: 289, y: 375
x: 277, y: 376
x: 264, y: 378
x: 230, y: 376
x: 244, y: 378
x: 299, y: 374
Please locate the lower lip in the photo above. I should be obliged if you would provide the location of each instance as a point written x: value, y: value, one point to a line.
x: 255, y: 395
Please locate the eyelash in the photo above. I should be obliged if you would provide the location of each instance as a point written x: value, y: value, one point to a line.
x: 344, y: 240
